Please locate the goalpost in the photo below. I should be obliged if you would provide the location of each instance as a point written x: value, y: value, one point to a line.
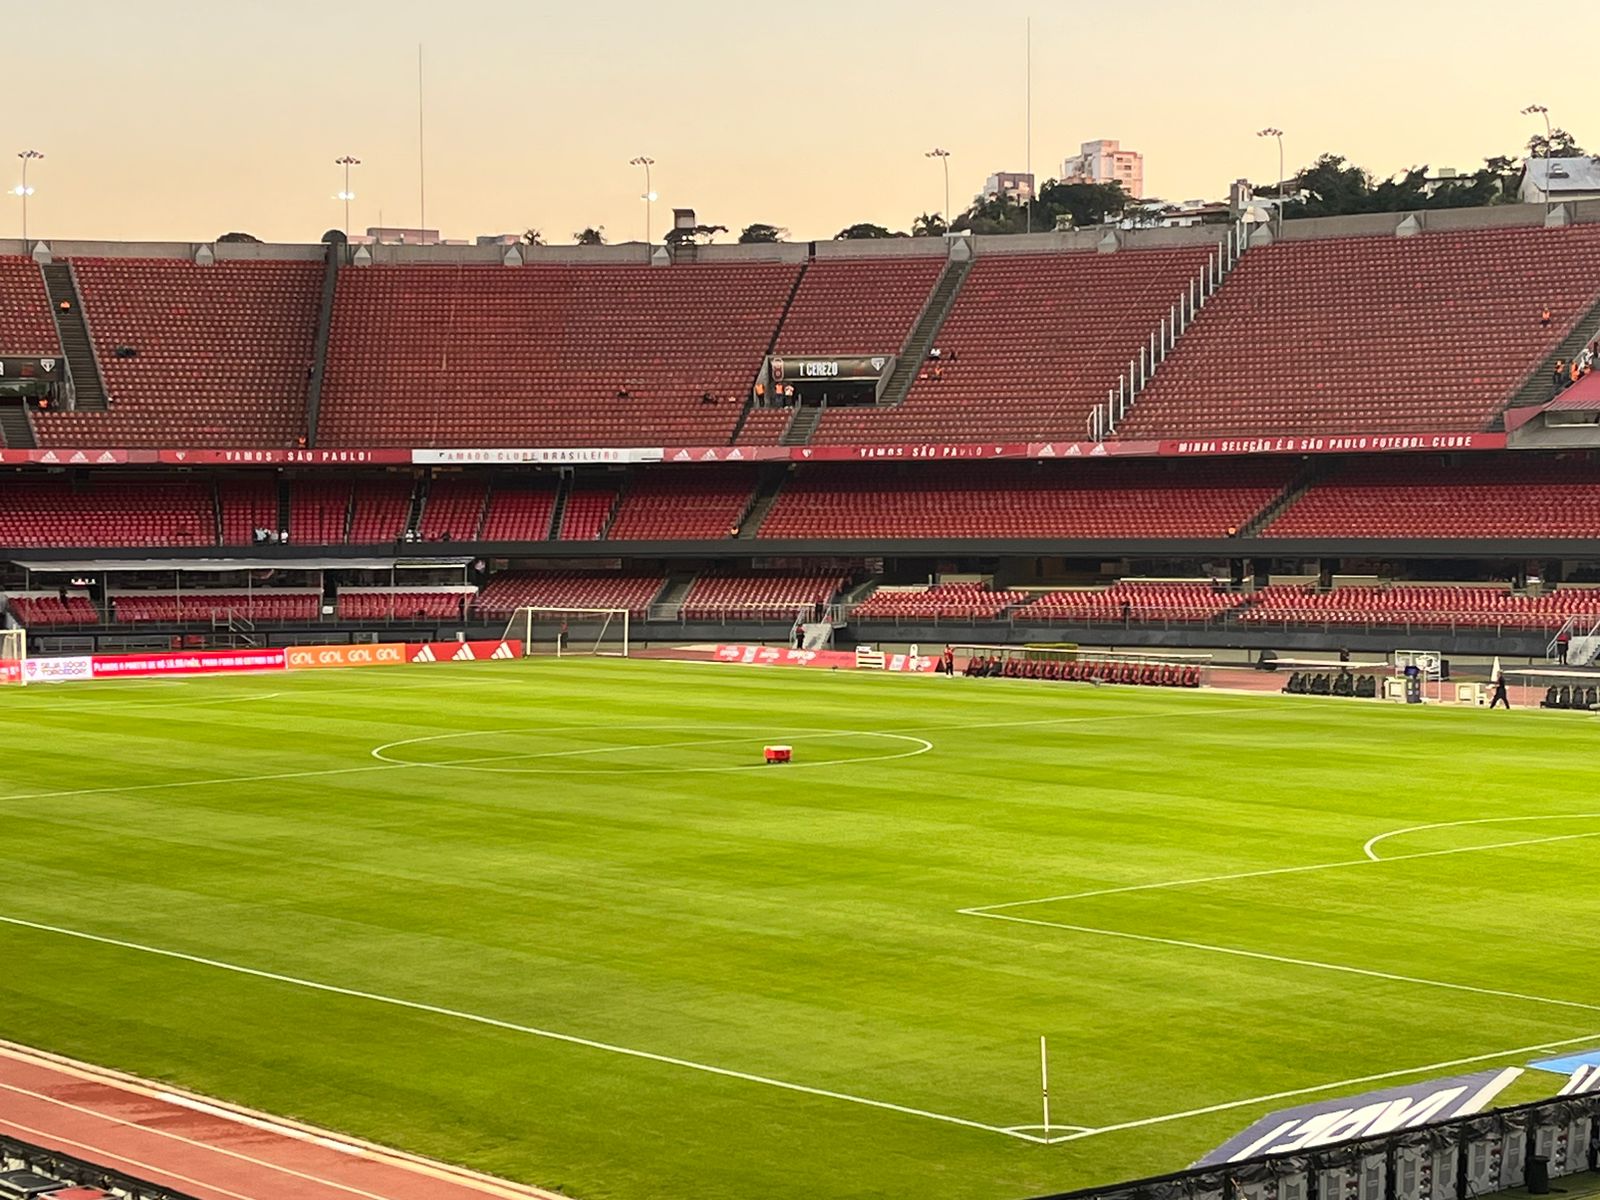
x: 13, y: 653
x: 569, y: 631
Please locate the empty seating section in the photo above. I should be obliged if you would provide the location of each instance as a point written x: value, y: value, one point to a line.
x: 381, y: 509
x: 1133, y: 601
x: 223, y: 352
x: 454, y: 509
x: 1440, y: 606
x: 247, y: 503
x: 547, y: 355
x: 366, y: 604
x: 108, y: 512
x: 507, y: 592
x: 37, y: 610
x: 1478, y: 496
x: 944, y: 601
x: 26, y: 327
x: 1372, y: 334
x: 686, y: 504
x: 1031, y: 346
x: 588, y: 507
x: 319, y: 511
x: 519, y: 513
x: 1080, y: 499
x: 857, y: 306
x: 758, y: 595
x: 170, y: 608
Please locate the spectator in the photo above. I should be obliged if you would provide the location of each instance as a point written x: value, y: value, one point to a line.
x: 1573, y: 372
x: 1544, y: 317
x: 1558, y: 377
x: 1562, y: 640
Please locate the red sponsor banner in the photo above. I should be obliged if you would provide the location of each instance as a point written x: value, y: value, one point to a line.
x: 788, y: 656
x: 10, y: 671
x: 186, y: 662
x: 715, y: 454
x: 927, y: 451
x: 53, y: 457
x: 319, y: 658
x: 1334, y: 443
x: 281, y: 457
x: 437, y: 652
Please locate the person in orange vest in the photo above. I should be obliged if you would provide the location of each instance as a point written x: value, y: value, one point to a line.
x: 1573, y: 372
x: 1559, y: 376
x: 1544, y: 317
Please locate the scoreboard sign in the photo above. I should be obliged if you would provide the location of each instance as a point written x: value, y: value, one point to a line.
x: 854, y: 368
x: 32, y: 370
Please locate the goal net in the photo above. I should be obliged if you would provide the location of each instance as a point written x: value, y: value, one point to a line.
x: 567, y: 631
x: 13, y: 652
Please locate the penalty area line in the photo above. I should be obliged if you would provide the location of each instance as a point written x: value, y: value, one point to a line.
x: 515, y: 1027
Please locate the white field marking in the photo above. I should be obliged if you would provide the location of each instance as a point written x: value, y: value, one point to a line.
x: 178, y: 1137
x: 1372, y: 843
x: 101, y: 1154
x: 1328, y: 866
x: 511, y: 1026
x: 921, y: 746
x: 1262, y: 956
x: 1431, y: 1068
x: 188, y: 783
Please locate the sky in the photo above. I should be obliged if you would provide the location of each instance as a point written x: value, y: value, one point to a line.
x: 183, y: 119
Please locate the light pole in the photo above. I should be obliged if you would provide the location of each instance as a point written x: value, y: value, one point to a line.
x: 1274, y: 132
x: 22, y: 189
x: 944, y: 159
x: 347, y: 161
x: 1544, y: 112
x: 649, y: 197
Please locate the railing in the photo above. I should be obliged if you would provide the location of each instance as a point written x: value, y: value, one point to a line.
x: 1103, y: 420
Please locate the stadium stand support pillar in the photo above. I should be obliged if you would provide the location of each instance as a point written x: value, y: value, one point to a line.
x: 1537, y: 389
x: 802, y: 424
x: 940, y: 301
x: 761, y: 502
x: 283, y: 503
x: 319, y: 358
x: 83, y: 369
x: 419, y: 501
x: 16, y: 431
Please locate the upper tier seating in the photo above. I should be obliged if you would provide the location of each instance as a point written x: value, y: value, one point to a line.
x: 248, y: 502
x: 1080, y: 499
x: 1133, y: 601
x: 38, y: 610
x: 685, y: 504
x: 511, y: 590
x: 944, y: 601
x: 170, y: 608
x: 1481, y: 496
x: 1372, y: 334
x: 857, y: 306
x: 1032, y: 345
x: 381, y: 509
x: 755, y: 595
x: 1432, y: 606
x: 382, y: 605
x: 26, y: 327
x: 537, y: 355
x: 454, y: 508
x: 223, y: 352
x: 519, y: 512
x: 107, y: 512
x: 319, y: 511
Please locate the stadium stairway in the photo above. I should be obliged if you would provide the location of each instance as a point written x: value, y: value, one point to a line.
x: 765, y: 496
x: 319, y: 359
x: 88, y: 389
x: 669, y: 603
x: 15, y: 430
x: 802, y: 425
x: 1313, y: 473
x: 920, y: 340
x: 1537, y: 389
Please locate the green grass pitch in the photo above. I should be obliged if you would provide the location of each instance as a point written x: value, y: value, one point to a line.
x: 601, y: 948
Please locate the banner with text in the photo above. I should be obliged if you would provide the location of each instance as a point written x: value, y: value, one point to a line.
x: 788, y: 656
x: 57, y: 670
x: 315, y: 658
x: 189, y: 662
x: 437, y: 652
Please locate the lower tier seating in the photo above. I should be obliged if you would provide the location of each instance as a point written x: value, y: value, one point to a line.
x: 944, y: 601
x: 1133, y: 601
x: 1433, y: 606
x: 379, y: 604
x: 111, y: 512
x: 507, y: 592
x: 38, y: 610
x: 683, y: 504
x: 759, y: 595
x: 170, y: 608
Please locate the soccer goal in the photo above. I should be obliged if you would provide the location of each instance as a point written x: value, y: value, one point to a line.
x: 13, y: 653
x: 568, y: 631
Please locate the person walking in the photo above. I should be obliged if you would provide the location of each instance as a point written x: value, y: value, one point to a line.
x: 1500, y: 696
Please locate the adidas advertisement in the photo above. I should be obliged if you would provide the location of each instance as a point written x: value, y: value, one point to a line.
x: 434, y: 652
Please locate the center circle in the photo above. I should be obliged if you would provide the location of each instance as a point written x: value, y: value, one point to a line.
x: 609, y: 750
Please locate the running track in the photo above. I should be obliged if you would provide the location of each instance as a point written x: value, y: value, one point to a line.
x: 208, y: 1150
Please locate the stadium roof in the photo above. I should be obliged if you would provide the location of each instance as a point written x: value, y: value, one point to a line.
x: 1583, y: 396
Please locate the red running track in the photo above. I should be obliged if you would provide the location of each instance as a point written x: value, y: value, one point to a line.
x: 209, y: 1150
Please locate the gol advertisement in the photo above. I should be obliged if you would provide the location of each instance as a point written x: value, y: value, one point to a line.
x: 310, y: 658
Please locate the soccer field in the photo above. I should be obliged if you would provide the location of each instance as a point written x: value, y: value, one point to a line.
x: 554, y: 920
